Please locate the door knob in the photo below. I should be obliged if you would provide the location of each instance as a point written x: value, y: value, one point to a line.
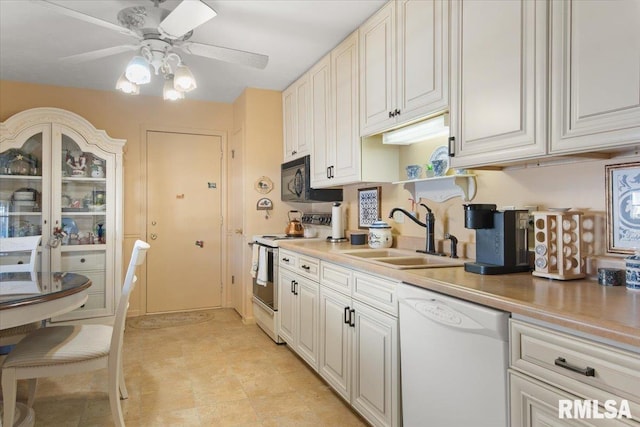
x: 238, y: 231
x: 153, y: 236
x: 200, y: 243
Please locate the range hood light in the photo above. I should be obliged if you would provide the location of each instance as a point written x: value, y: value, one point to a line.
x: 418, y: 132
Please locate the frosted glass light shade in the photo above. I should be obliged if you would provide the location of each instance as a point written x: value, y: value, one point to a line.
x: 124, y: 85
x: 169, y: 92
x: 183, y: 79
x: 417, y: 132
x: 138, y: 71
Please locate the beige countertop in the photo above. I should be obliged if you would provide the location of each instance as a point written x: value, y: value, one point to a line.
x: 608, y: 312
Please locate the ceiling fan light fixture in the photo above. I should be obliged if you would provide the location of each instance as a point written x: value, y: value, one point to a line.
x: 183, y: 79
x: 123, y: 84
x: 169, y: 92
x: 137, y: 71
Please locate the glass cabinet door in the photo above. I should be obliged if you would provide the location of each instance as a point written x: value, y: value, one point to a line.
x: 81, y: 207
x: 24, y: 194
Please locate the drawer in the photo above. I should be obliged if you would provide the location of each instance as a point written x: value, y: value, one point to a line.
x: 563, y: 360
x: 97, y: 280
x: 76, y: 261
x: 308, y: 267
x: 376, y: 291
x: 336, y: 277
x: 287, y: 259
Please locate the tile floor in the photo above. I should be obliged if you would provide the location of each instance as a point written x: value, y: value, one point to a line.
x: 216, y: 373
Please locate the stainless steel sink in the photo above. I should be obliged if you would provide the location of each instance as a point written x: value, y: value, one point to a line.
x: 402, y: 259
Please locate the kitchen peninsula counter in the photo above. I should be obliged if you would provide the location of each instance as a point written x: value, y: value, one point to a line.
x: 611, y: 313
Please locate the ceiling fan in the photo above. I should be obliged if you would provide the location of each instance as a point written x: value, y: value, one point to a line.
x: 160, y: 33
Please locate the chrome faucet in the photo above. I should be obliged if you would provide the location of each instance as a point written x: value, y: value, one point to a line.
x: 428, y: 225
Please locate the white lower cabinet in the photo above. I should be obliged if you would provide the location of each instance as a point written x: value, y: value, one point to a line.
x: 557, y: 379
x: 298, y: 306
x: 359, y: 348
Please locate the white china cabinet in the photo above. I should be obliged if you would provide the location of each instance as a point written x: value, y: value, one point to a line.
x: 404, y: 64
x: 62, y: 178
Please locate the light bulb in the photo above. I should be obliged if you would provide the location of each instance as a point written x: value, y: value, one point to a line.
x: 138, y: 71
x: 183, y: 79
x: 169, y: 92
x: 124, y: 85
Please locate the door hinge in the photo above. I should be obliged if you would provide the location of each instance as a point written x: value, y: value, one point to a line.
x: 233, y: 154
x: 233, y: 279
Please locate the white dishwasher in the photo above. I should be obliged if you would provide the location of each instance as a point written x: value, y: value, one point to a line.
x: 454, y: 357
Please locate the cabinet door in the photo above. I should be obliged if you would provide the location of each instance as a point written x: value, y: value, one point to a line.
x: 498, y: 92
x: 335, y: 341
x: 536, y: 404
x: 595, y: 75
x: 303, y: 111
x: 321, y: 122
x: 344, y: 88
x: 422, y: 58
x: 376, y: 370
x: 378, y: 71
x: 307, y: 306
x: 286, y: 306
x: 289, y: 121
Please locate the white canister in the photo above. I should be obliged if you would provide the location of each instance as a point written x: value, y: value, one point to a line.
x: 380, y: 235
x: 633, y: 271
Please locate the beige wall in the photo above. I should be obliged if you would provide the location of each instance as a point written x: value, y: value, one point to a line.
x: 121, y: 116
x: 579, y: 185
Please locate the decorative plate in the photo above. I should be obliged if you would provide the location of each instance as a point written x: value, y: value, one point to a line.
x: 264, y: 185
x: 440, y: 160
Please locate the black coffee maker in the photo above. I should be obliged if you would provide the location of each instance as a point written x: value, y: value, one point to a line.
x: 501, y: 239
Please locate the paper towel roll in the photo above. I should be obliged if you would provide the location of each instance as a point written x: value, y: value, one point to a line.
x: 337, y: 231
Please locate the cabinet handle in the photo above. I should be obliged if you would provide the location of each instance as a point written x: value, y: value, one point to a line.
x: 82, y: 260
x: 305, y: 267
x: 391, y: 114
x: 352, y: 319
x: 347, y: 317
x: 285, y: 259
x: 294, y: 152
x: 588, y: 371
x: 292, y: 286
x: 295, y: 287
x: 396, y: 112
x: 328, y: 173
x: 331, y: 172
x: 452, y: 140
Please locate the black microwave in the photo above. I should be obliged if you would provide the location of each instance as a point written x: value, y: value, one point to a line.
x: 296, y: 184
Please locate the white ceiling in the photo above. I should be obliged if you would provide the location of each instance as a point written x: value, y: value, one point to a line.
x: 293, y: 33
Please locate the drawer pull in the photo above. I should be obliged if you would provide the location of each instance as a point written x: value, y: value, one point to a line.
x: 82, y: 260
x: 285, y: 259
x: 305, y: 267
x: 562, y: 362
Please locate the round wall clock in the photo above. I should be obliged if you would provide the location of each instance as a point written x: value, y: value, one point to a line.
x: 264, y: 185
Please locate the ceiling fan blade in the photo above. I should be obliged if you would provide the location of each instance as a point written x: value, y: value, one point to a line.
x: 100, y: 53
x: 185, y: 17
x: 226, y: 54
x: 86, y: 18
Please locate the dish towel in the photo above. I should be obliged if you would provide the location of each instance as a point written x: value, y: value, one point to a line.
x: 254, y: 260
x: 262, y: 275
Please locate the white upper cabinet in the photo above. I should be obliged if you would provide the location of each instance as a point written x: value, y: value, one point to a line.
x: 595, y: 75
x: 403, y: 64
x: 335, y: 158
x: 499, y: 81
x: 296, y: 119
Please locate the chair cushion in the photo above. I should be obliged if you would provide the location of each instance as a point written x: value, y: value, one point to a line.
x: 61, y: 344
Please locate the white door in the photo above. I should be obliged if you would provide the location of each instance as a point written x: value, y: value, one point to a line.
x: 335, y: 342
x: 375, y: 365
x: 184, y: 268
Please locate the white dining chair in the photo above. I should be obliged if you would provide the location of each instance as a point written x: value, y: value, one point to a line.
x: 62, y: 350
x: 10, y: 247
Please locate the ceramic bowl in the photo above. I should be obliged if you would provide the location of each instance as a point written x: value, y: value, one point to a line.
x: 413, y: 171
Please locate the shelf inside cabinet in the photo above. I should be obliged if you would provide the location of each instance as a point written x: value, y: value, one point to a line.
x: 441, y: 188
x: 79, y: 248
x: 22, y: 177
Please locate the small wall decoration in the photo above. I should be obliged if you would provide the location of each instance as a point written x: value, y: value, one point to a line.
x: 264, y: 185
x: 264, y: 204
x: 368, y: 206
x: 623, y: 207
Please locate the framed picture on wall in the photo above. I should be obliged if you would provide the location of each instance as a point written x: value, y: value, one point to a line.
x: 368, y: 206
x: 623, y: 207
